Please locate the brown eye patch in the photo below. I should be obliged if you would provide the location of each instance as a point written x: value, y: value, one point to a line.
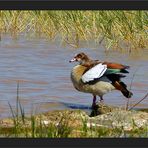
x: 79, y: 55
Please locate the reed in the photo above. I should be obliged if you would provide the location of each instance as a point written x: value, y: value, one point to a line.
x: 120, y: 30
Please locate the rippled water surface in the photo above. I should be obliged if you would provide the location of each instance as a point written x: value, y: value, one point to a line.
x: 43, y: 71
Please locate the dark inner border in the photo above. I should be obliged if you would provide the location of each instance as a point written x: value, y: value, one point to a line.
x: 74, y: 5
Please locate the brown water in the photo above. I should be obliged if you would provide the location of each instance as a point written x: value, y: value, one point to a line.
x: 43, y: 71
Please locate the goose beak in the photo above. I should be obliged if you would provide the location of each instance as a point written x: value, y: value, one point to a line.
x: 73, y: 60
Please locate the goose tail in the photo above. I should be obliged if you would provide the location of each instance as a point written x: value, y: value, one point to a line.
x: 123, y: 88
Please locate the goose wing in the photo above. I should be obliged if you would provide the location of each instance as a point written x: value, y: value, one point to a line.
x: 94, y: 73
x: 116, y: 65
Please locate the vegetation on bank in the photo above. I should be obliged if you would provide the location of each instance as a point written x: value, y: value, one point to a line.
x: 120, y: 30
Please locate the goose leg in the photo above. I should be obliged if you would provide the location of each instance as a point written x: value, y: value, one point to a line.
x: 101, y: 99
x: 94, y: 101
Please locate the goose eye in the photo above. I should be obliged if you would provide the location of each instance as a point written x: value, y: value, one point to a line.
x: 79, y: 56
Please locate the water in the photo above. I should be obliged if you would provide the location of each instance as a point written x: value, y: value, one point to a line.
x: 43, y: 71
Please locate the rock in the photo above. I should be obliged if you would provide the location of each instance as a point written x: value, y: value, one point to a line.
x: 115, y: 117
x: 126, y: 120
x: 109, y: 117
x: 102, y: 108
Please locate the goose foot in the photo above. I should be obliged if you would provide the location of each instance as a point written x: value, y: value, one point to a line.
x: 101, y: 99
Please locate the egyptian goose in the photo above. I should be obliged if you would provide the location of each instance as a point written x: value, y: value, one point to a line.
x: 98, y: 78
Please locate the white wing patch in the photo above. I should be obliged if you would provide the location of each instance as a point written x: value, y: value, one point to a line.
x: 95, y: 72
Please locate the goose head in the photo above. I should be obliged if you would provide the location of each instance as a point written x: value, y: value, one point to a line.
x: 81, y: 58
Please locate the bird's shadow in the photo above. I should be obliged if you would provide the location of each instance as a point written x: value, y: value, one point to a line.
x: 77, y: 106
x: 91, y: 110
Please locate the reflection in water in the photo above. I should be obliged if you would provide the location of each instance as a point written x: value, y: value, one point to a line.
x: 43, y: 72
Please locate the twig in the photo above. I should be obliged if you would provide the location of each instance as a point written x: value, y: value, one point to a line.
x: 139, y: 101
x: 127, y: 104
x: 17, y: 100
x: 133, y: 77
